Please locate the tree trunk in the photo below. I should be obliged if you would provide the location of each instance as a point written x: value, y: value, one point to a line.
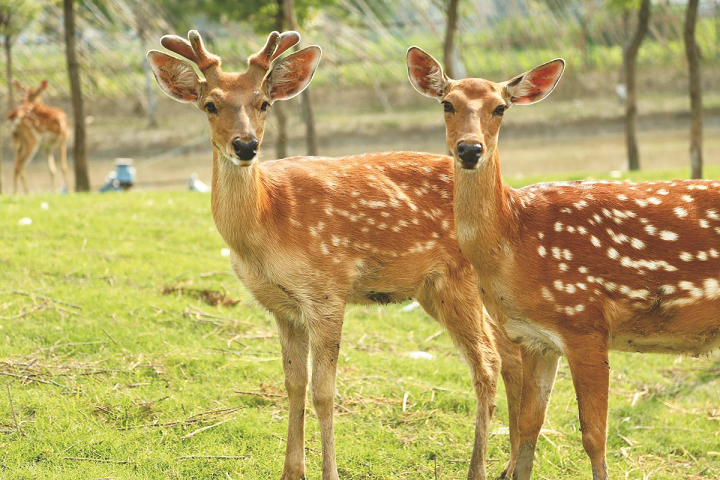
x: 9, y: 72
x: 82, y: 182
x: 692, y: 50
x: 305, y: 102
x: 279, y: 109
x: 630, y: 52
x: 449, y: 44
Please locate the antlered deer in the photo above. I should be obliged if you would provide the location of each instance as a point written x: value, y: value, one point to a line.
x: 575, y: 268
x: 34, y: 125
x: 309, y: 235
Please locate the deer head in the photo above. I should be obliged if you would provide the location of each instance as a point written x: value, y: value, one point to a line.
x: 474, y: 107
x: 30, y: 94
x: 236, y: 103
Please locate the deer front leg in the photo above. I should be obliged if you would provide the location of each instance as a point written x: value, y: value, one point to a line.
x: 538, y: 379
x: 325, y: 334
x: 295, y: 345
x: 512, y: 374
x: 591, y: 374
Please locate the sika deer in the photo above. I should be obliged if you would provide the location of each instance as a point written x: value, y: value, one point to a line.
x: 309, y: 235
x: 575, y: 268
x: 34, y: 125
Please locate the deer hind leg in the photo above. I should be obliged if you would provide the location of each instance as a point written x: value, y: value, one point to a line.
x: 325, y: 334
x: 63, y: 162
x: 539, y: 372
x: 459, y: 309
x: 590, y: 371
x: 295, y: 342
x: 52, y: 168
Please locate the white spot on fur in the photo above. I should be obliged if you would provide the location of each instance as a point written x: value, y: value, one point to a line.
x: 594, y: 240
x: 686, y: 257
x: 547, y: 295
x: 668, y: 236
x: 612, y: 253
x: 680, y: 212
x: 542, y: 251
x: 712, y: 288
x: 558, y: 226
x: 583, y: 270
x: 563, y: 267
x: 687, y: 198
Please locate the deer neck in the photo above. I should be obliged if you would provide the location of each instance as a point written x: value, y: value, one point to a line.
x: 486, y: 225
x: 240, y: 202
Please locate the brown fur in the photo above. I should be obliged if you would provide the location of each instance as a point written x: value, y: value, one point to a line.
x: 310, y: 235
x: 577, y: 268
x: 36, y: 125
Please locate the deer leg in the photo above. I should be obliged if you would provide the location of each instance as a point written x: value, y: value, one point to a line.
x: 325, y: 335
x: 53, y: 170
x: 539, y: 372
x: 25, y: 154
x: 63, y: 162
x: 295, y: 347
x: 460, y: 311
x: 591, y: 373
x: 512, y: 374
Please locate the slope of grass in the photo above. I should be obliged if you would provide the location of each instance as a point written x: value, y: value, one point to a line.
x: 125, y: 357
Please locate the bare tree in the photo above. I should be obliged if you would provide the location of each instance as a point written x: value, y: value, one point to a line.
x: 305, y: 103
x: 692, y: 51
x: 82, y: 182
x: 630, y: 51
x: 449, y: 44
x: 15, y: 15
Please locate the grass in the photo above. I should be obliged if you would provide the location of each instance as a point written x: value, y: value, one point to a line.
x: 125, y: 357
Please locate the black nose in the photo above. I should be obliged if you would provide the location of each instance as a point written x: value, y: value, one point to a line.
x: 245, y: 150
x: 469, y: 154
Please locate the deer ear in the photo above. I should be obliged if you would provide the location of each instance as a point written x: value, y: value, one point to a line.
x: 426, y: 74
x: 43, y: 85
x: 291, y: 75
x: 531, y: 87
x: 175, y: 77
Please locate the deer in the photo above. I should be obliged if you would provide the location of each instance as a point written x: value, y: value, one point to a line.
x: 38, y: 125
x: 575, y: 268
x: 309, y: 235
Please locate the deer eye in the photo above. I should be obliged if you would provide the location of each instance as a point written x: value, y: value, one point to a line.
x: 447, y: 106
x: 210, y: 107
x: 500, y: 110
x: 264, y: 106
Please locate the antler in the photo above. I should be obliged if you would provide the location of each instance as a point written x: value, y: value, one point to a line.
x: 194, y: 50
x: 276, y: 44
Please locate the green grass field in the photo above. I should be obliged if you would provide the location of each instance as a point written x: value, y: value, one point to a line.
x: 124, y: 357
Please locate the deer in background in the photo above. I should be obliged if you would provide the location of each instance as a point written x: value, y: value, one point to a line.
x: 575, y: 268
x: 310, y: 235
x: 38, y: 125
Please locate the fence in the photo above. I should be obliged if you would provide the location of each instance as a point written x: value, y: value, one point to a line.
x: 364, y: 42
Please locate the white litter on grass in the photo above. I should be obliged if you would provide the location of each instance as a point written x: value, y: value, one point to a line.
x: 44, y: 205
x: 410, y: 307
x: 25, y: 221
x: 225, y: 252
x: 421, y: 355
x: 615, y: 174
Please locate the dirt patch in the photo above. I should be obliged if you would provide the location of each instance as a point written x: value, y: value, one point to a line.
x: 210, y: 297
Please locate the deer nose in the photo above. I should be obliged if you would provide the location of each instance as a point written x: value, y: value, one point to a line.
x: 245, y: 150
x: 469, y: 154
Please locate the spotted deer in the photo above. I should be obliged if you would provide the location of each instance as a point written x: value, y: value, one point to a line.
x: 575, y: 268
x: 310, y: 235
x: 38, y: 125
